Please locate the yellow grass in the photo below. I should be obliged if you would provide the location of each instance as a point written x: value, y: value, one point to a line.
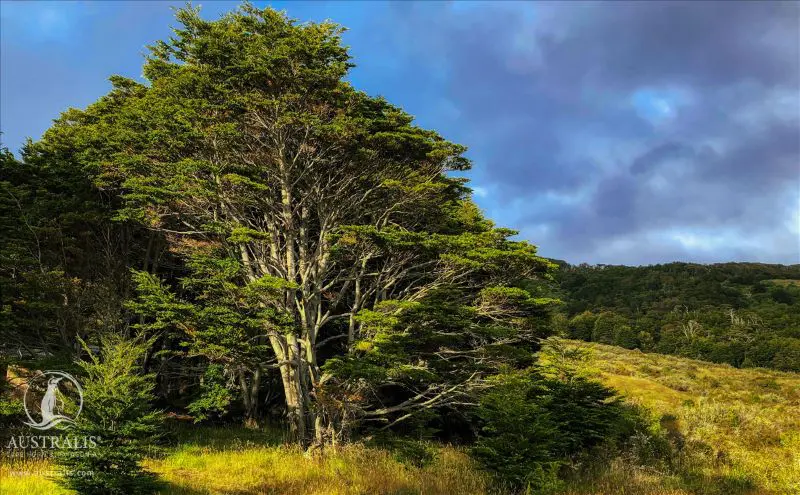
x: 29, y: 478
x: 785, y: 282
x: 739, y: 430
x: 250, y: 469
x: 353, y: 470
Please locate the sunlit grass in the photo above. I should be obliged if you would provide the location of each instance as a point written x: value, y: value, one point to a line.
x: 351, y: 470
x: 737, y: 430
x: 247, y: 462
x: 28, y: 478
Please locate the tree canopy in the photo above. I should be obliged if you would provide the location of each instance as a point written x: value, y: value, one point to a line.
x: 285, y: 225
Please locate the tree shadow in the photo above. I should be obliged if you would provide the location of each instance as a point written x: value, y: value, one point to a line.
x: 222, y: 438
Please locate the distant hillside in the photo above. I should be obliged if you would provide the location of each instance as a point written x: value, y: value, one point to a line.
x: 744, y: 314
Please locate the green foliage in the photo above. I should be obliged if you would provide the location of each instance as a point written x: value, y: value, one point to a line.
x: 223, y: 319
x: 743, y: 314
x: 284, y: 222
x: 215, y: 396
x: 517, y: 438
x: 606, y: 327
x: 581, y: 326
x: 533, y: 423
x: 11, y: 408
x: 56, y: 284
x: 117, y: 414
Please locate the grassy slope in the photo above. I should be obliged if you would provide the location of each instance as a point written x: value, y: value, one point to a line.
x: 786, y: 282
x: 739, y: 430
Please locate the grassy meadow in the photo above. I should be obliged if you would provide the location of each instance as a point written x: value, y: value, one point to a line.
x: 249, y: 462
x: 733, y: 432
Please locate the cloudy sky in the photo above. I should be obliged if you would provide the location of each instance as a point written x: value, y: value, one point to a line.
x: 630, y: 133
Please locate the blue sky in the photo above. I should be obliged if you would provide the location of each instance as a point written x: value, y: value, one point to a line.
x: 633, y: 133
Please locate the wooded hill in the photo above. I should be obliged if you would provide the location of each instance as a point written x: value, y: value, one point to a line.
x: 744, y: 314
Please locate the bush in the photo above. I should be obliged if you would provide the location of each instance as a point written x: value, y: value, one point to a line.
x: 581, y: 326
x: 117, y: 413
x: 626, y: 336
x: 788, y: 356
x: 532, y: 425
x: 606, y: 325
x: 517, y: 438
x: 10, y: 406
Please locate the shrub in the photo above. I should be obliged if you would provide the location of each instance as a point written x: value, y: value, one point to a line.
x: 626, y: 336
x: 532, y: 424
x: 117, y: 413
x: 516, y: 438
x: 606, y: 325
x: 788, y: 356
x: 10, y: 406
x: 581, y: 326
x: 645, y: 340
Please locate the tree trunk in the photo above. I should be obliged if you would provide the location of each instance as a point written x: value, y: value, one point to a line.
x: 250, y: 396
x: 292, y: 376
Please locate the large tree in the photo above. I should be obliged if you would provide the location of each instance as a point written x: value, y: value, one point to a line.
x: 320, y: 231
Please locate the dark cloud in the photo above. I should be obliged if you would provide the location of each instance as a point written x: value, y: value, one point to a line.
x: 654, y: 157
x: 629, y: 132
x: 629, y: 44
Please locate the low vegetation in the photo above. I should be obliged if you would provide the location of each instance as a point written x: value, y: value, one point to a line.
x: 703, y: 429
x: 732, y: 431
x: 224, y: 460
x: 118, y: 415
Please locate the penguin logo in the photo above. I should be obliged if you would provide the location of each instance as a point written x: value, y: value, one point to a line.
x: 55, y: 387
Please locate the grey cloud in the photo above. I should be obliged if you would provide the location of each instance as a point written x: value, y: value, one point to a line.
x: 547, y: 103
x: 658, y: 155
x: 628, y: 44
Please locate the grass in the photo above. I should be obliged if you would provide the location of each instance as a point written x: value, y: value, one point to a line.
x: 735, y: 431
x: 785, y: 282
x: 253, y: 462
x: 353, y: 470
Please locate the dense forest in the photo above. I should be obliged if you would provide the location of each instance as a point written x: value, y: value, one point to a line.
x: 743, y: 314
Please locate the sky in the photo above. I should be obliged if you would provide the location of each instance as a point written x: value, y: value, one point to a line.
x: 618, y: 133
